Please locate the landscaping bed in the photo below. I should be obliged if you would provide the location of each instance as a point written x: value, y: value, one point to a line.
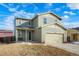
x: 32, y: 50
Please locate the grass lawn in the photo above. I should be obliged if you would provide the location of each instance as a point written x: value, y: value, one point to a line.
x: 32, y: 50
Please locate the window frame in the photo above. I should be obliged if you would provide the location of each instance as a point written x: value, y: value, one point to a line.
x: 45, y: 21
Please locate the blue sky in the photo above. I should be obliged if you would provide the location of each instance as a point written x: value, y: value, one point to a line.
x: 69, y: 12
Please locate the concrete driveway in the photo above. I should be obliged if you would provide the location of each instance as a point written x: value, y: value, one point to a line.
x: 77, y: 43
x: 74, y: 48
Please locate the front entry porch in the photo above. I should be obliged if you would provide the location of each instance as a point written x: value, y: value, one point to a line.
x: 23, y: 35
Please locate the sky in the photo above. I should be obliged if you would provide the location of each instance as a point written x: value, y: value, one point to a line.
x: 69, y: 12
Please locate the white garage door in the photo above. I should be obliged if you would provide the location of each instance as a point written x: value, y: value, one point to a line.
x: 53, y: 38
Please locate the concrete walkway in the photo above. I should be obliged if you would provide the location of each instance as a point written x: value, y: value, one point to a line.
x: 30, y: 43
x: 74, y: 48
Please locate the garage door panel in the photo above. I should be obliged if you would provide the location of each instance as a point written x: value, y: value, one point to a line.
x: 53, y: 38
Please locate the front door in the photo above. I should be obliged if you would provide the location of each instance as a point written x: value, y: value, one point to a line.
x: 30, y: 35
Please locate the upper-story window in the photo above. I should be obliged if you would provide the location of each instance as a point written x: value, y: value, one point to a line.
x: 19, y: 22
x: 45, y: 20
x: 29, y: 23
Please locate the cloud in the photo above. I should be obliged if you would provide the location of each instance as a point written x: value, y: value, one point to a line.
x: 20, y: 13
x: 24, y: 5
x: 49, y: 4
x: 12, y: 9
x: 10, y: 4
x: 23, y: 14
x: 57, y: 9
x: 15, y: 9
x: 65, y: 17
x: 9, y: 23
x: 9, y: 20
x: 69, y: 12
x: 35, y: 7
x: 73, y: 6
x: 4, y: 5
x: 71, y: 24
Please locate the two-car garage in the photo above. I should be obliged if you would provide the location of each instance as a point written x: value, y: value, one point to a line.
x: 51, y: 38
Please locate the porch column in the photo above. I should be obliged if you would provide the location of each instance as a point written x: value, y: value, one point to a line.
x: 26, y: 37
x: 16, y: 35
x: 65, y: 37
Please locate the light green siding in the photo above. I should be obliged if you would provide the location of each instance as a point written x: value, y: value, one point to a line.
x: 35, y: 23
x: 50, y: 20
x: 36, y: 35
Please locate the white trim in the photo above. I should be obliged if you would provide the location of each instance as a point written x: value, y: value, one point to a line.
x: 26, y: 36
x: 31, y: 35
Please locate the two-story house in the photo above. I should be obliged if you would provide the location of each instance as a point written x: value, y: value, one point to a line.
x: 45, y: 27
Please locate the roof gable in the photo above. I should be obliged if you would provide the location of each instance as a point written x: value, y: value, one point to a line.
x: 48, y: 13
x: 61, y: 26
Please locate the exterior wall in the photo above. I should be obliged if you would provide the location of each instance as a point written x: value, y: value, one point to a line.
x: 50, y: 20
x: 36, y: 35
x: 35, y: 23
x: 53, y: 29
x: 6, y: 34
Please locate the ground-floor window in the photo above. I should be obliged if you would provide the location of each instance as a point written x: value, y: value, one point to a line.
x: 21, y: 35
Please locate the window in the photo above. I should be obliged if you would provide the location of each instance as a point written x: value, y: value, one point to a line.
x: 29, y: 23
x: 19, y: 22
x: 19, y: 33
x: 45, y: 20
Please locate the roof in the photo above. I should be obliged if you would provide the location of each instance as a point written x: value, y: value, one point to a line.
x: 23, y: 18
x: 77, y: 28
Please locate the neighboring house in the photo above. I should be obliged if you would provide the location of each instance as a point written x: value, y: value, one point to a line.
x: 73, y: 34
x: 6, y: 35
x: 45, y: 27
